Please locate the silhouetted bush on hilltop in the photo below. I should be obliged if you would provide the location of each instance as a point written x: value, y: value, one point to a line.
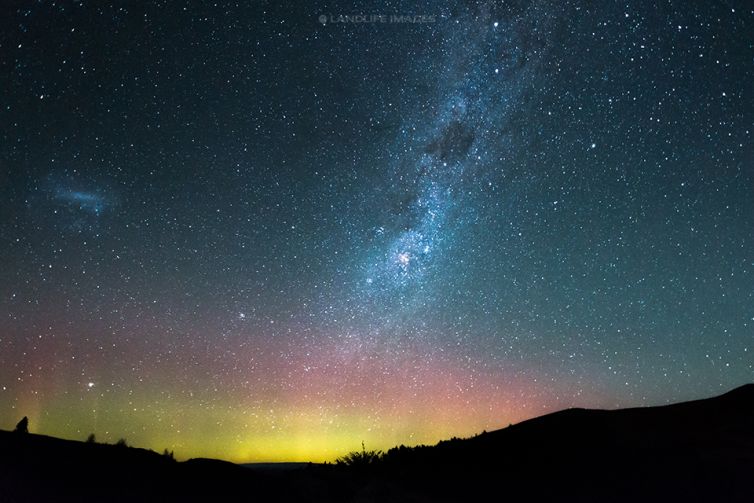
x: 22, y: 426
x: 361, y: 458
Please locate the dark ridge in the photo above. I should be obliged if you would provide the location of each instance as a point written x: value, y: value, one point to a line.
x: 690, y: 451
x: 701, y: 450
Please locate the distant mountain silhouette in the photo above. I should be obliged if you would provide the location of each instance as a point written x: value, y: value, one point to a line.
x: 693, y: 451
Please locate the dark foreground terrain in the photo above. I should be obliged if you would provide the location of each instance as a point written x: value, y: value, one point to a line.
x: 693, y: 451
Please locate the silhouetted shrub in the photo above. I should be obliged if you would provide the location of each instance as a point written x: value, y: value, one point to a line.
x: 91, y: 439
x: 121, y: 443
x: 22, y: 426
x: 358, y: 459
x: 168, y: 454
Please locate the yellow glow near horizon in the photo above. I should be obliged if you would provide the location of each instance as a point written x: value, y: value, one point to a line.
x: 287, y: 435
x: 309, y: 415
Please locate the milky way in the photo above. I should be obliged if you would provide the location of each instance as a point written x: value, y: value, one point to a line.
x: 247, y: 233
x: 430, y: 170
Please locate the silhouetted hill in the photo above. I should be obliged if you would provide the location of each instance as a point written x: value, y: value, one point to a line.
x: 693, y: 451
x: 699, y: 424
x: 41, y: 468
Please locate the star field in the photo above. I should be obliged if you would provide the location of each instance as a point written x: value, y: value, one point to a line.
x: 250, y: 232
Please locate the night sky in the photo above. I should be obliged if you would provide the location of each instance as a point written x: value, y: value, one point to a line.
x: 263, y: 232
